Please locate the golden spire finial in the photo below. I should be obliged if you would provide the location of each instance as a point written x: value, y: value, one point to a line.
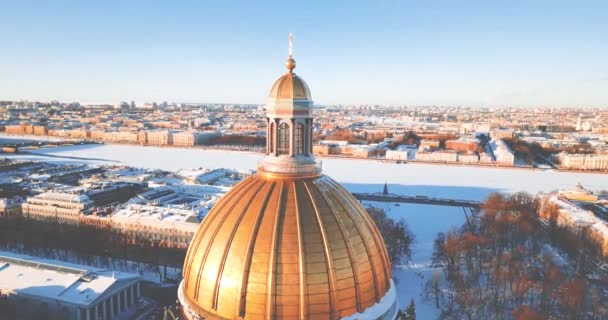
x: 291, y: 63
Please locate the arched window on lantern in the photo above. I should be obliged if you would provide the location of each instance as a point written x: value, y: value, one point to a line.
x: 271, y: 139
x: 299, y: 139
x: 309, y: 151
x: 283, y: 147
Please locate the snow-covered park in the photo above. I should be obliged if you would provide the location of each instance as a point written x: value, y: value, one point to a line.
x: 425, y: 221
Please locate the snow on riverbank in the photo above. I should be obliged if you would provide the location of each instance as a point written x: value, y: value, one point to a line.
x: 458, y: 182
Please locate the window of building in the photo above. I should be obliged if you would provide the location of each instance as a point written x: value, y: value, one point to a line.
x: 299, y: 139
x: 271, y: 139
x: 309, y: 151
x: 283, y: 139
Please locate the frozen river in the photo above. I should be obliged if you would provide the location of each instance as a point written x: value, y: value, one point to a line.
x: 459, y: 182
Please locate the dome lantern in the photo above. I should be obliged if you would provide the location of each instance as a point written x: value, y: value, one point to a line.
x: 289, y: 114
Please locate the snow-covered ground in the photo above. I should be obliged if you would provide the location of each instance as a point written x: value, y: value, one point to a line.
x: 458, y: 182
x: 424, y: 221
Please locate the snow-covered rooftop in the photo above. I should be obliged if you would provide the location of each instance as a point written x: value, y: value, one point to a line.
x: 57, y: 280
x: 579, y: 216
x: 158, y: 216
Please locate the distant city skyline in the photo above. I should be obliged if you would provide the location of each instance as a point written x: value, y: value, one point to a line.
x: 474, y: 53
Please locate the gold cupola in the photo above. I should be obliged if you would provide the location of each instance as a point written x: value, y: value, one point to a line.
x: 290, y: 86
x: 288, y: 242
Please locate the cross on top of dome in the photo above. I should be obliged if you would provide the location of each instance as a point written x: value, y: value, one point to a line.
x: 291, y: 63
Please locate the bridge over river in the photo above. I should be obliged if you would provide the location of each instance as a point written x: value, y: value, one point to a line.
x: 14, y: 145
x: 417, y: 199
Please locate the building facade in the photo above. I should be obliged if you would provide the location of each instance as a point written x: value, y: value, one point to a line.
x: 583, y: 161
x: 62, y: 207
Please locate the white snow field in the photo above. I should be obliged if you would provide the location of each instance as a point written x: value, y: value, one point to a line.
x: 425, y: 221
x: 457, y: 182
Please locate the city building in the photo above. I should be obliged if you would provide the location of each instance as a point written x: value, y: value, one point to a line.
x: 402, y: 152
x: 288, y: 242
x: 439, y: 156
x: 469, y: 157
x: 167, y: 227
x: 54, y: 289
x: 579, y: 210
x: 502, y: 134
x: 40, y: 130
x: 9, y: 207
x: 463, y: 145
x: 502, y: 153
x: 220, y: 176
x: 583, y: 161
x: 63, y: 207
x: 184, y: 138
x: 427, y: 144
x: 66, y: 205
x: 159, y: 137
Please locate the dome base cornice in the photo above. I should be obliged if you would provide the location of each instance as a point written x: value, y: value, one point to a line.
x: 290, y: 167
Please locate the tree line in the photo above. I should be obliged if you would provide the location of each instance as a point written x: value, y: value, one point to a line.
x: 503, y: 264
x: 87, y: 244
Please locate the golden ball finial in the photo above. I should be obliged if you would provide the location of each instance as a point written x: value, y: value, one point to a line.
x: 290, y: 64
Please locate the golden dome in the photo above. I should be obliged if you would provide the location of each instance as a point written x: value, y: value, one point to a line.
x: 290, y: 86
x: 285, y: 248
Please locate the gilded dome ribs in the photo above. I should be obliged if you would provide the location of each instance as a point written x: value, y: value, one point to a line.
x: 330, y: 269
x: 202, y: 233
x: 344, y: 289
x: 213, y: 233
x: 241, y: 294
x: 254, y: 189
x: 259, y: 279
x: 272, y: 266
x: 287, y: 304
x: 290, y: 86
x: 301, y: 253
x: 374, y: 233
x: 199, y: 235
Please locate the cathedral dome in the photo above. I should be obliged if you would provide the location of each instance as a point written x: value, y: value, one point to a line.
x: 288, y: 242
x: 285, y: 248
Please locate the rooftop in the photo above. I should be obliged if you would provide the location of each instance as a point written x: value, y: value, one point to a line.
x: 57, y: 280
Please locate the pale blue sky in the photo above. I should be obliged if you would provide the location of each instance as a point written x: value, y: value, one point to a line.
x: 492, y: 53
